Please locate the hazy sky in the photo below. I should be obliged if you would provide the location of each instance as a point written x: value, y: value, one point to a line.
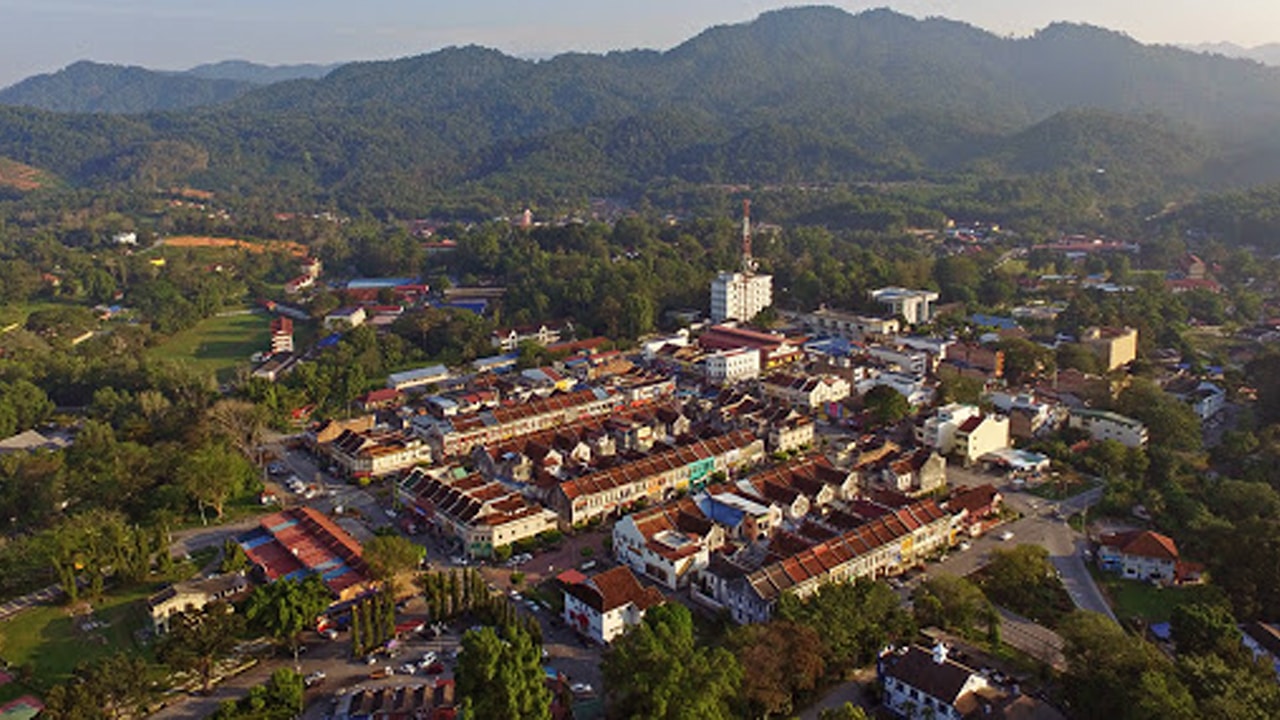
x: 44, y: 35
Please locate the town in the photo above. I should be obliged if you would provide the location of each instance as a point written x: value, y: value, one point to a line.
x: 958, y: 470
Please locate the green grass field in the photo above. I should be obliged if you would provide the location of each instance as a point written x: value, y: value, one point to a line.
x: 1152, y: 603
x: 19, y: 313
x: 220, y: 344
x: 46, y: 639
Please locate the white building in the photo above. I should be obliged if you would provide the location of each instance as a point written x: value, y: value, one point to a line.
x: 740, y: 296
x: 914, y: 306
x: 730, y: 366
x: 420, y: 377
x: 850, y: 326
x: 669, y: 543
x: 919, y: 684
x: 981, y: 435
x: 939, y: 431
x: 912, y: 387
x: 1106, y: 425
x: 603, y: 606
x: 349, y: 317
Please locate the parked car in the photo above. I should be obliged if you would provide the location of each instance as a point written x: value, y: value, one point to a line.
x: 581, y: 689
x: 408, y: 669
x: 314, y: 678
x: 382, y: 672
x: 434, y: 668
x: 1006, y: 535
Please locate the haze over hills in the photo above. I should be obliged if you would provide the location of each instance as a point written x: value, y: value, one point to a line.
x: 1268, y: 54
x: 808, y: 95
x: 95, y: 87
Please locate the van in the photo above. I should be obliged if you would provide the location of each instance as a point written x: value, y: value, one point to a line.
x: 588, y: 565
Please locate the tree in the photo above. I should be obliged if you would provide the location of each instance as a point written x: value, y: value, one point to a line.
x: 855, y: 621
x: 111, y: 687
x: 1113, y: 674
x: 657, y: 670
x: 197, y: 639
x: 1022, y: 579
x: 502, y: 676
x: 284, y: 608
x: 780, y: 662
x: 213, y: 474
x: 1201, y: 629
x: 389, y: 556
x: 848, y: 711
x: 885, y: 404
x: 950, y: 601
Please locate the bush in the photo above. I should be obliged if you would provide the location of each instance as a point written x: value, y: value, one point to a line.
x: 517, y: 578
x: 550, y: 537
x: 587, y: 552
x: 503, y: 553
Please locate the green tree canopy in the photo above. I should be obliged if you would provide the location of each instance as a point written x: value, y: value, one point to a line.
x: 502, y: 676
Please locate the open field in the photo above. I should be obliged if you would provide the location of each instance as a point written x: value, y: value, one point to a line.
x: 218, y: 345
x: 51, y: 642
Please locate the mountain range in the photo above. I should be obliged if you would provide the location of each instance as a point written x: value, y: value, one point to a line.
x: 797, y: 96
x: 95, y: 87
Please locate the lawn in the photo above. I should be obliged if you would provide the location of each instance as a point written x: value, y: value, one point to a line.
x: 218, y: 345
x: 46, y: 639
x: 1152, y: 603
x: 1069, y: 485
x: 18, y: 313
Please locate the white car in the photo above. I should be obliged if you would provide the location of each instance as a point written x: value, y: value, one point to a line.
x: 314, y: 678
x: 428, y: 657
x: 581, y: 689
x: 1006, y: 535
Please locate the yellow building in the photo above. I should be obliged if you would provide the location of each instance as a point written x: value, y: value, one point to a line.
x: 1115, y: 347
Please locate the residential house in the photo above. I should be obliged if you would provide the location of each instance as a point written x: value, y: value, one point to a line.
x: 193, y: 596
x: 668, y: 543
x: 380, y: 399
x: 458, y: 435
x: 920, y: 473
x: 939, y: 430
x: 977, y: 508
x: 972, y: 361
x: 603, y: 606
x: 1142, y: 555
x: 790, y: 434
x: 1106, y: 425
x: 921, y: 684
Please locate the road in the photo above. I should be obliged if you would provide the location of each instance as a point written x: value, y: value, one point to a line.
x: 1043, y: 523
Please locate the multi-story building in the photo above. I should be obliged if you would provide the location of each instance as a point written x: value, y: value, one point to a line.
x: 913, y: 306
x: 375, y: 454
x: 654, y: 477
x: 457, y: 435
x: 483, y: 515
x: 939, y: 430
x: 668, y: 543
x: 803, y: 392
x: 980, y: 435
x: 193, y: 596
x: 604, y: 605
x: 884, y: 545
x: 345, y: 318
x: 1115, y: 347
x: 920, y: 684
x: 281, y: 335
x: 1107, y: 425
x: 1140, y: 555
x: 850, y: 326
x: 725, y: 367
x: 740, y: 296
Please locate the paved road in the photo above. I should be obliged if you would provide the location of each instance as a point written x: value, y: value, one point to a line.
x: 1043, y: 523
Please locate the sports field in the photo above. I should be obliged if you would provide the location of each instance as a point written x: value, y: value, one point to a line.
x: 219, y: 345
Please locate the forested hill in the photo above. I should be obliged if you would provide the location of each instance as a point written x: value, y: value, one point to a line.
x: 94, y: 87
x: 86, y: 87
x: 797, y: 96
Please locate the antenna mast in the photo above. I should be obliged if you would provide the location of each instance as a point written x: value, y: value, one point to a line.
x: 748, y: 262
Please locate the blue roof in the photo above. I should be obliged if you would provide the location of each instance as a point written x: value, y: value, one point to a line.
x: 329, y: 341
x: 378, y: 283
x: 994, y: 321
x: 719, y: 512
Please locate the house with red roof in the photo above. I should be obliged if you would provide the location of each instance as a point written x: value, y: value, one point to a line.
x: 1143, y: 555
x: 603, y: 606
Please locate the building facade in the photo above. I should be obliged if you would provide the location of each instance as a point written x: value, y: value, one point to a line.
x: 740, y: 296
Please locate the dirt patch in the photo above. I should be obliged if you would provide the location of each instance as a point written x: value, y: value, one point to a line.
x: 189, y: 241
x: 21, y: 177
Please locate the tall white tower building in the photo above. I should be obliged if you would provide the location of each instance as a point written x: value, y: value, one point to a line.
x: 741, y: 295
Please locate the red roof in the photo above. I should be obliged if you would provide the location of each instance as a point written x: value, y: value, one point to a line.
x: 1143, y: 543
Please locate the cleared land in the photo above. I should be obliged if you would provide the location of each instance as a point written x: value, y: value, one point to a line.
x: 1153, y: 603
x: 193, y: 241
x: 21, y: 177
x: 218, y: 345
